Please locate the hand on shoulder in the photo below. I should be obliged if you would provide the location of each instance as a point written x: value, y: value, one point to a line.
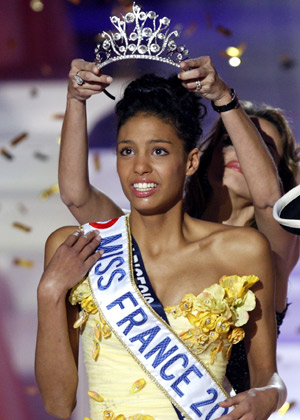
x: 69, y: 254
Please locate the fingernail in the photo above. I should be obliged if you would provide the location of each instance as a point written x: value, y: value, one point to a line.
x: 109, y: 79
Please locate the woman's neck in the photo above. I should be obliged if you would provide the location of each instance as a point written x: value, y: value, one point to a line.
x: 158, y: 232
x: 228, y: 208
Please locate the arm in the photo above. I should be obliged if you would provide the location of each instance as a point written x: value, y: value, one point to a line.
x: 268, y: 391
x: 83, y: 200
x: 259, y: 170
x: 57, y: 342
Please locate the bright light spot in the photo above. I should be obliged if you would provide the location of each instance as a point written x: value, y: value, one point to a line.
x: 233, y: 52
x: 37, y: 5
x: 234, y: 61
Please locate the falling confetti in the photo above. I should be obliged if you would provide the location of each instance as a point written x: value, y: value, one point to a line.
x: 6, y: 154
x: 191, y: 29
x: 224, y: 31
x: 23, y: 262
x: 58, y: 116
x: 287, y: 62
x: 96, y: 159
x: 286, y: 407
x: 21, y: 226
x: 31, y: 390
x: 18, y: 139
x: 40, y: 156
x: 50, y: 191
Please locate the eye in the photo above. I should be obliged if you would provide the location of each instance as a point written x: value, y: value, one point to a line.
x: 126, y: 151
x: 159, y: 151
x: 226, y: 141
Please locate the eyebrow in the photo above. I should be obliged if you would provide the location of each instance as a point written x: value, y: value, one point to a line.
x: 154, y: 141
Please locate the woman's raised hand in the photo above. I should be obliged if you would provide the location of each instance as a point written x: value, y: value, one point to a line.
x: 85, y: 80
x: 199, y: 75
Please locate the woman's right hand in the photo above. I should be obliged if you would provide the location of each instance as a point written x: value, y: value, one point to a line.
x: 93, y: 80
x: 71, y: 261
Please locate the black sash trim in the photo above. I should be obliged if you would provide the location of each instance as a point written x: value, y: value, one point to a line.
x: 146, y: 289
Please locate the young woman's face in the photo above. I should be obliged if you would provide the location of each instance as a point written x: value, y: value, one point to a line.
x: 152, y: 164
x: 225, y: 167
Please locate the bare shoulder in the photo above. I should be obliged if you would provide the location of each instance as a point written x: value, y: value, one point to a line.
x: 239, y: 250
x: 57, y: 237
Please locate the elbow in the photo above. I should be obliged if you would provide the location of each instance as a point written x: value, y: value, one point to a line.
x: 62, y: 411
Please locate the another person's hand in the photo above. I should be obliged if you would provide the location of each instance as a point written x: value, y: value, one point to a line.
x: 71, y: 261
x: 93, y: 81
x: 256, y: 403
x: 199, y: 75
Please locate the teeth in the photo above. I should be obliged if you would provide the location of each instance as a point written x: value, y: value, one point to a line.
x: 144, y: 186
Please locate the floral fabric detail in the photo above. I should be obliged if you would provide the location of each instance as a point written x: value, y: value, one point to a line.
x: 217, y: 314
x: 81, y: 294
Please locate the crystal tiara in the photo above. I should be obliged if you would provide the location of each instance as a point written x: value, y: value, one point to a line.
x: 147, y: 39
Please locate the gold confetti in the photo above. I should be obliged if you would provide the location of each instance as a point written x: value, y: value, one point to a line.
x: 224, y: 31
x: 36, y: 5
x: 23, y: 262
x: 87, y: 418
x: 18, y: 139
x: 137, y: 386
x: 5, y: 153
x: 95, y: 396
x: 286, y: 407
x: 20, y: 226
x: 191, y: 29
x: 50, y: 191
x: 96, y: 159
x: 58, y: 116
x: 31, y: 390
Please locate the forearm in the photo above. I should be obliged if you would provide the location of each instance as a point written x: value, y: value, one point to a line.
x: 73, y: 159
x: 55, y: 361
x: 256, y: 162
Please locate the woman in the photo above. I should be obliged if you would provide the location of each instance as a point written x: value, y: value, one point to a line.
x: 224, y: 195
x: 180, y: 260
x: 240, y: 194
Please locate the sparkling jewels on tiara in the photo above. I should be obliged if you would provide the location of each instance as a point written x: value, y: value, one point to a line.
x: 140, y: 35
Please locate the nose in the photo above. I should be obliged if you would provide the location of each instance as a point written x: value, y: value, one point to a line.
x: 142, y: 165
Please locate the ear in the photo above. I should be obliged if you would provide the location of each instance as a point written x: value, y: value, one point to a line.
x: 193, y: 161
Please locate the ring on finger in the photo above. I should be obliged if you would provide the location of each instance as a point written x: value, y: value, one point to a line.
x: 198, y: 85
x: 79, y: 80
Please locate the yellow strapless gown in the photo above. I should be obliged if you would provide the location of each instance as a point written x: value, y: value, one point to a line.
x: 209, y: 324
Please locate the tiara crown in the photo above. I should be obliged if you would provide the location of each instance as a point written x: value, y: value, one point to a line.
x: 149, y: 39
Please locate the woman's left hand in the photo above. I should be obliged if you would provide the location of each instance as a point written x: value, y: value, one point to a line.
x: 200, y: 76
x: 255, y: 404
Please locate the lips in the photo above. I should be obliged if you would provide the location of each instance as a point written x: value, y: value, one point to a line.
x: 144, y: 189
x: 234, y: 164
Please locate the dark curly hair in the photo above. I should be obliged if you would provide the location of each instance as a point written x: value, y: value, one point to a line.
x: 167, y: 99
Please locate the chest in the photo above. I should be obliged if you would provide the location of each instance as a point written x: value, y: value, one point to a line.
x: 176, y: 274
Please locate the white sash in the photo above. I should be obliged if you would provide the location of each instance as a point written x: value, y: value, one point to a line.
x: 151, y: 342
